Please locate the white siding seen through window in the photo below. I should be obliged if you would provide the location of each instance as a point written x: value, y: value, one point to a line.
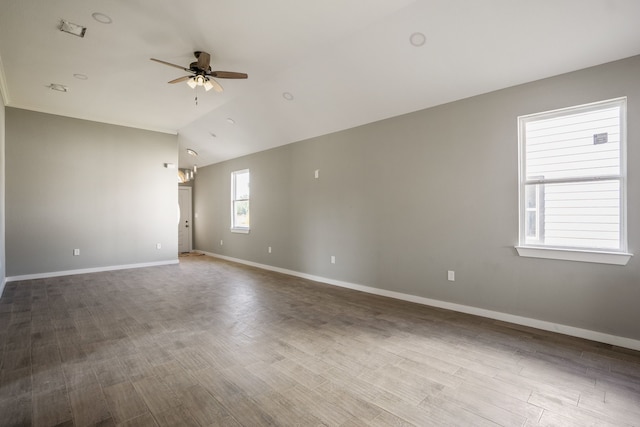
x: 572, y: 178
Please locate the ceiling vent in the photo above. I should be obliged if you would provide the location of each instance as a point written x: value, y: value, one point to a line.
x: 71, y: 28
x: 58, y: 87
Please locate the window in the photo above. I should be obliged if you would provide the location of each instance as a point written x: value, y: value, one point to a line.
x: 534, y: 213
x: 240, y: 201
x: 572, y: 183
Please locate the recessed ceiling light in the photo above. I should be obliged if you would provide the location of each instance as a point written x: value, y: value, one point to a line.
x: 80, y: 76
x: 58, y: 87
x: 417, y: 39
x: 71, y: 28
x: 192, y: 152
x: 288, y: 96
x: 230, y: 120
x: 102, y: 18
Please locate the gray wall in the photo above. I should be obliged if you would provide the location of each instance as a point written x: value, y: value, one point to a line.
x: 401, y: 201
x: 78, y: 184
x: 2, y: 191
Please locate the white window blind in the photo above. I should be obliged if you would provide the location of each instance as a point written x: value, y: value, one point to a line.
x: 572, y: 177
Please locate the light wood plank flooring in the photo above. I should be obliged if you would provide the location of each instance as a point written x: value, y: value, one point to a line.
x: 209, y: 342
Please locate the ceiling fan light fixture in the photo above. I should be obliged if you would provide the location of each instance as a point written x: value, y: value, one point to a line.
x: 200, y: 71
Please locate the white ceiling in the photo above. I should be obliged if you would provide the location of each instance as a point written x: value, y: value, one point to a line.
x: 346, y: 62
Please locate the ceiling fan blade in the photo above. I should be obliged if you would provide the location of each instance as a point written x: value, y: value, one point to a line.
x: 228, y: 75
x: 216, y: 86
x: 170, y: 64
x: 203, y: 60
x: 180, y: 79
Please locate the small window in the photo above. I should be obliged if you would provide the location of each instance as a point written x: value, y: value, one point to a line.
x: 572, y: 179
x: 240, y: 201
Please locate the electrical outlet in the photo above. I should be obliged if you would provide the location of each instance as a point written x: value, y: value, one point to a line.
x: 221, y: 242
x: 269, y: 249
x: 333, y: 259
x: 317, y: 173
x: 451, y: 276
x: 158, y: 245
x: 76, y: 252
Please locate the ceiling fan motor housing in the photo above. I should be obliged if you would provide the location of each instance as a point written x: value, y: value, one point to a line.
x: 196, y: 69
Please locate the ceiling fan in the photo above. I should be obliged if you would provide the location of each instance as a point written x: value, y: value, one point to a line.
x: 201, y: 74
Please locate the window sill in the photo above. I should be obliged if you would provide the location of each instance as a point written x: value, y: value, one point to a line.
x: 240, y: 230
x: 615, y: 258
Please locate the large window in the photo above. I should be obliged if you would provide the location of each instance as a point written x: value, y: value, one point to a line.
x: 572, y: 183
x: 240, y: 201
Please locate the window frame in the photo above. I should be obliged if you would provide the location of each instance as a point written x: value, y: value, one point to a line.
x: 619, y: 256
x: 234, y: 227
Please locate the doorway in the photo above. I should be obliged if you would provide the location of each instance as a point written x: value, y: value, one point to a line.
x: 185, y: 222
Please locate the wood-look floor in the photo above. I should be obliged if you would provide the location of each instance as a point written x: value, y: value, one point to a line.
x: 209, y: 342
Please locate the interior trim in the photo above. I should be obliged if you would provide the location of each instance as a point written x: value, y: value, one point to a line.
x: 496, y: 315
x: 240, y: 230
x: 89, y: 270
x: 4, y: 90
x: 615, y: 258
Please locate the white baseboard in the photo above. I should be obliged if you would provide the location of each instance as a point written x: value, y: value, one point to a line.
x: 89, y: 270
x: 511, y: 318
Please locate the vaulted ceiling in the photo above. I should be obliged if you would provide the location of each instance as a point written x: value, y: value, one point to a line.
x: 314, y: 67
